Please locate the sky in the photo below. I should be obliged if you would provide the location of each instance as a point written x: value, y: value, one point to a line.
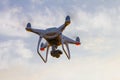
x: 96, y: 22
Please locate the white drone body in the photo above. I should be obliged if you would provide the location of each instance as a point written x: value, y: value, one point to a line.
x: 54, y: 38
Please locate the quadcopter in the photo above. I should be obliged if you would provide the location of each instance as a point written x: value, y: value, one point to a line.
x: 53, y: 38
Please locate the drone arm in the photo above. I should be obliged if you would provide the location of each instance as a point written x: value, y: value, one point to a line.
x: 71, y: 41
x: 67, y: 22
x: 37, y: 31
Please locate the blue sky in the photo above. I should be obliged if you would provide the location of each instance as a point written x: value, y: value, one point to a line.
x: 95, y: 21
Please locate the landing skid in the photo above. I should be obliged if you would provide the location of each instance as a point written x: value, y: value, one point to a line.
x: 38, y: 51
x: 66, y: 44
x: 55, y: 53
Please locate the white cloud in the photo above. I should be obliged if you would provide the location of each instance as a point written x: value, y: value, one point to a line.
x: 97, y: 45
x: 99, y: 32
x: 92, y: 68
x: 48, y: 18
x: 37, y: 1
x: 12, y: 52
x: 13, y: 23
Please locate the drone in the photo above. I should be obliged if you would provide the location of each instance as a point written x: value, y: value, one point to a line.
x: 53, y: 38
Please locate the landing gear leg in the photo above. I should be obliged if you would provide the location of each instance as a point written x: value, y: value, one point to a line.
x: 44, y: 59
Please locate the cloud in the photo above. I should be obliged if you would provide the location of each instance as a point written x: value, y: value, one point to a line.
x: 94, y: 28
x: 13, y: 23
x: 97, y: 57
x: 37, y: 1
x: 13, y: 52
x: 92, y: 68
x: 98, y: 31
